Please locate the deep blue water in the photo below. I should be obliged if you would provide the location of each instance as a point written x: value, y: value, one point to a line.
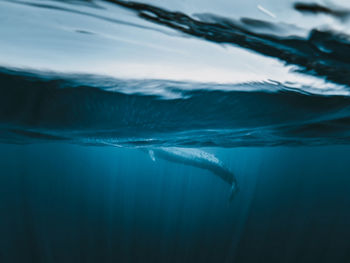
x: 163, y: 131
x: 67, y: 203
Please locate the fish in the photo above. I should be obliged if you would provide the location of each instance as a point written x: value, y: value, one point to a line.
x: 196, y: 158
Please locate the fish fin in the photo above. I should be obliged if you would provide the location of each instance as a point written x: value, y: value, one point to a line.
x: 151, y: 155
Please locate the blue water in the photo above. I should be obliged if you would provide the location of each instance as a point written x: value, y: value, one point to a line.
x: 163, y: 131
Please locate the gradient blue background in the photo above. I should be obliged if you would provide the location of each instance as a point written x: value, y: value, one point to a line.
x: 70, y: 203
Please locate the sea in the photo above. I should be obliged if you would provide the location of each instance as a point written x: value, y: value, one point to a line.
x: 174, y: 131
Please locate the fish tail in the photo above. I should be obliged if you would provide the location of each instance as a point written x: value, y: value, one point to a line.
x: 233, y: 191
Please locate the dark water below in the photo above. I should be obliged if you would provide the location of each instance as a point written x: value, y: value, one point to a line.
x: 66, y: 203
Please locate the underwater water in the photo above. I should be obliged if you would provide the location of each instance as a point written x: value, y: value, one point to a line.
x: 174, y: 131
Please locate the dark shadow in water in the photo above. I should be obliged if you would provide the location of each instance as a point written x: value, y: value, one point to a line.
x: 315, y: 8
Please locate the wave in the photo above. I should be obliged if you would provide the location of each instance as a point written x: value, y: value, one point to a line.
x: 321, y: 53
x: 94, y: 109
x: 39, y: 106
